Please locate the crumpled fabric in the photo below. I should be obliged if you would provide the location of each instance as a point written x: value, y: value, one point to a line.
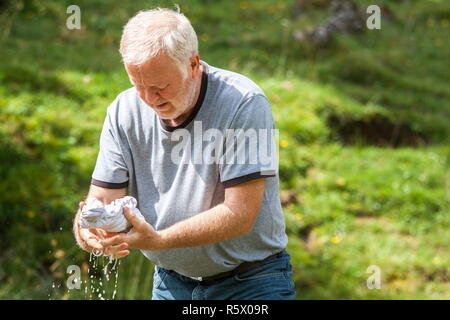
x: 108, y: 217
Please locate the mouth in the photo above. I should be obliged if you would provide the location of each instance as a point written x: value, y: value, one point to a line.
x: 161, y: 106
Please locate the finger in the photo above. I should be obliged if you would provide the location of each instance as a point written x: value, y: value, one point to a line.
x: 121, y: 254
x: 89, y: 241
x: 102, y: 233
x: 86, y: 234
x: 134, y: 220
x: 81, y: 204
x: 116, y: 248
x: 118, y: 239
x: 112, y: 250
x: 94, y: 237
x: 109, y: 234
x: 95, y: 231
x: 94, y: 244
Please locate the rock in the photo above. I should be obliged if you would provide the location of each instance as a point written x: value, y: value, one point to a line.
x: 345, y: 18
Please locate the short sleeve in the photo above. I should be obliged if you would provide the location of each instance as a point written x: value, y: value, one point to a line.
x: 250, y: 150
x: 110, y: 169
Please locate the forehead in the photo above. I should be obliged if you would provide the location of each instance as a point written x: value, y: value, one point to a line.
x: 157, y: 70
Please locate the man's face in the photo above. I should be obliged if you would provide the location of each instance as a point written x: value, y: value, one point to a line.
x: 161, y: 85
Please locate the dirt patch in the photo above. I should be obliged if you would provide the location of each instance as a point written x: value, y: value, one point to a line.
x: 288, y: 197
x: 362, y: 218
x: 377, y: 130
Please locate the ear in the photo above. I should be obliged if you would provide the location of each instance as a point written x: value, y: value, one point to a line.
x: 194, y: 61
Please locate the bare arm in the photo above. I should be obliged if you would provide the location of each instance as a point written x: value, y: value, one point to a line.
x: 234, y: 217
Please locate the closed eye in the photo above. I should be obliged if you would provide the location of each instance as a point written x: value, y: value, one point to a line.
x: 140, y: 87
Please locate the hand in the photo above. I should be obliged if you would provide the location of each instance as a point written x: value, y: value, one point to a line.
x: 89, y: 239
x: 141, y: 236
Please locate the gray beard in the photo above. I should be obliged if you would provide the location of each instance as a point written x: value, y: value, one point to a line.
x: 189, y: 101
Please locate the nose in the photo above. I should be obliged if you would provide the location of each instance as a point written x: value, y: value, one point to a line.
x: 151, y: 97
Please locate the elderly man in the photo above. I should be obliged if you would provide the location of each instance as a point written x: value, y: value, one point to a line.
x: 213, y: 229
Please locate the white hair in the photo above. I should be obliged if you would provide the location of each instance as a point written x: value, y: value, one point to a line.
x: 156, y: 31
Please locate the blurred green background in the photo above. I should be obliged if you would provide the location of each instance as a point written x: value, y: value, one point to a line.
x: 364, y: 139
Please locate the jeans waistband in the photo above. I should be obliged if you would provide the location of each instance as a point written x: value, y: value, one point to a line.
x: 243, y: 267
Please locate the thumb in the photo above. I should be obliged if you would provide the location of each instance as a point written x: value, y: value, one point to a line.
x: 134, y: 220
x: 81, y: 204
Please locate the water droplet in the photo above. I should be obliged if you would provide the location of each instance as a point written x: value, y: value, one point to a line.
x: 97, y: 253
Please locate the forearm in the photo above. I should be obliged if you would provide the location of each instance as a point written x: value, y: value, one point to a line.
x: 214, y: 225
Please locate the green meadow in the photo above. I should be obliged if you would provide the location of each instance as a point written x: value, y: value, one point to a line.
x: 364, y: 128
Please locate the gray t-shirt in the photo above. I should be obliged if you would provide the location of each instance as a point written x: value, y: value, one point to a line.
x: 167, y: 169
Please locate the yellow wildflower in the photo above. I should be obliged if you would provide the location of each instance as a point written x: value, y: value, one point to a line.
x: 336, y: 239
x: 340, y: 181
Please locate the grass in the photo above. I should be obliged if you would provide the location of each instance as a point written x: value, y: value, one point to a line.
x: 363, y: 129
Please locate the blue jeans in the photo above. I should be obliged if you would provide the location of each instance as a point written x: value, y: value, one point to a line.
x: 272, y: 280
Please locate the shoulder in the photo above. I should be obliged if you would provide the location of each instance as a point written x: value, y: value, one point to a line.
x: 233, y: 83
x: 235, y: 93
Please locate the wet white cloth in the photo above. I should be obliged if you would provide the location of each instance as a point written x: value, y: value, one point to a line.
x: 108, y: 217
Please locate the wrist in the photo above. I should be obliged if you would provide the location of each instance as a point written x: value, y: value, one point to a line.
x: 163, y: 240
